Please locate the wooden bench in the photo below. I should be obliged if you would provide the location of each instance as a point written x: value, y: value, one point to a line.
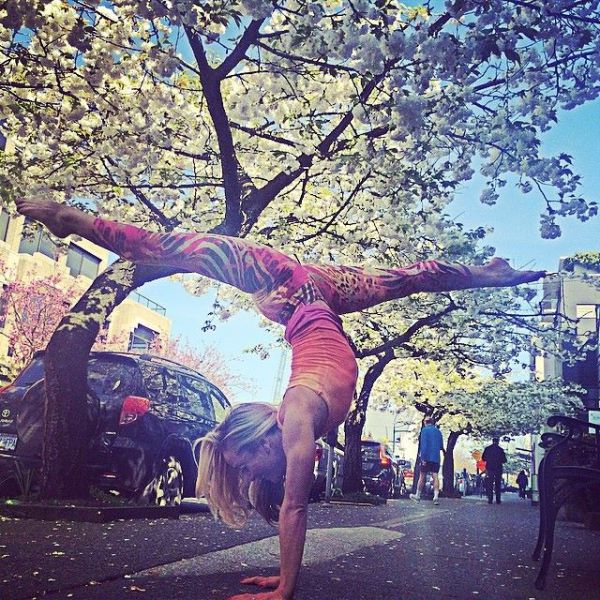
x: 571, y: 463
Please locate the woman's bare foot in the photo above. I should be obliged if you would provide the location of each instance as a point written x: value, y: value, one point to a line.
x: 498, y: 273
x: 60, y: 219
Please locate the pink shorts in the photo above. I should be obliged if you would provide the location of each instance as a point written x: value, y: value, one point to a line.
x: 322, y: 359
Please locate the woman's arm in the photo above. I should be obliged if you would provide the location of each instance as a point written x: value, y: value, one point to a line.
x: 299, y: 447
x: 305, y: 413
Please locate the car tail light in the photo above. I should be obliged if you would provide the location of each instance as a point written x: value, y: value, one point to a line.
x: 384, y: 459
x: 133, y: 407
x: 4, y: 388
x: 318, y: 453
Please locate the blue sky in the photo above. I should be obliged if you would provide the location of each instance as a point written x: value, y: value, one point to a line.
x: 516, y: 237
x: 231, y: 338
x: 515, y: 218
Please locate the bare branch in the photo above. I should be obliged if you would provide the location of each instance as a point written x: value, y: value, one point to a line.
x: 211, y: 85
x: 401, y: 339
x: 248, y: 38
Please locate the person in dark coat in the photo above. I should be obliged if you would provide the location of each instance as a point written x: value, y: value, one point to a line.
x: 522, y: 482
x: 494, y: 458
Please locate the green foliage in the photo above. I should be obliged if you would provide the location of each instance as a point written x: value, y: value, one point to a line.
x: 589, y: 260
x: 516, y: 463
x: 501, y: 408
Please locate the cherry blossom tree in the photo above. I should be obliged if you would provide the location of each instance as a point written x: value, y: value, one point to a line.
x: 513, y: 408
x: 503, y: 408
x: 207, y: 112
x: 32, y: 308
x: 333, y: 128
x: 459, y: 331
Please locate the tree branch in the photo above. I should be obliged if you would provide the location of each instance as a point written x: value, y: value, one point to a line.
x: 248, y: 38
x: 254, y: 204
x: 401, y: 339
x: 337, y: 213
x: 214, y: 100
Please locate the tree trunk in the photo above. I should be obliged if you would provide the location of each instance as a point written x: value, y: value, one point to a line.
x: 448, y: 467
x: 353, y: 428
x: 68, y: 422
x: 352, y: 459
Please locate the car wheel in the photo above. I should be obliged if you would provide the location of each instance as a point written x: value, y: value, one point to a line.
x: 167, y: 486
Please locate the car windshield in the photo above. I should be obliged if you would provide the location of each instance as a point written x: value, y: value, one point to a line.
x: 111, y: 378
x: 371, y: 459
x: 32, y: 373
x: 370, y: 452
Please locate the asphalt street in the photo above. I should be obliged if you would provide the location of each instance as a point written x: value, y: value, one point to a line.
x: 404, y: 550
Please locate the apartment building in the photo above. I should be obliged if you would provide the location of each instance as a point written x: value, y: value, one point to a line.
x: 570, y: 297
x: 28, y: 253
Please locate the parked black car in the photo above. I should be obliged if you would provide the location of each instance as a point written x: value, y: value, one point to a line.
x: 144, y: 412
x: 381, y: 475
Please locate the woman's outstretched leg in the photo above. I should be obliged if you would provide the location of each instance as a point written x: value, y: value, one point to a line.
x: 249, y: 267
x: 348, y: 289
x: 60, y: 219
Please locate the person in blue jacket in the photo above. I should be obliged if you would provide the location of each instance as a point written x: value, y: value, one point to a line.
x: 430, y: 446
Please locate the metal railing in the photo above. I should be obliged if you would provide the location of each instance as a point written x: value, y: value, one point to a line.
x: 157, y: 308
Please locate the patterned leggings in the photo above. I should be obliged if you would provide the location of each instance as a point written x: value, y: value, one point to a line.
x: 277, y: 282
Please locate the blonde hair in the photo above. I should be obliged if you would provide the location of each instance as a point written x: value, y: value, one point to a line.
x: 242, y: 429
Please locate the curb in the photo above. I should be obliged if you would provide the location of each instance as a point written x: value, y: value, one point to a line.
x: 91, y: 514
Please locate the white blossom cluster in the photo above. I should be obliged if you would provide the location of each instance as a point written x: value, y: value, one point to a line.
x: 108, y: 97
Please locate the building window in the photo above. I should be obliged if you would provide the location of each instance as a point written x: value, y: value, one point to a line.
x: 80, y: 262
x: 3, y: 225
x: 141, y: 338
x: 586, y: 316
x: 36, y: 240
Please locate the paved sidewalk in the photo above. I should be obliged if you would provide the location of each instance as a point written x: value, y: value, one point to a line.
x: 404, y: 550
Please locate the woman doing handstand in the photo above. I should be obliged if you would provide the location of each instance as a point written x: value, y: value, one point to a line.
x: 261, y: 456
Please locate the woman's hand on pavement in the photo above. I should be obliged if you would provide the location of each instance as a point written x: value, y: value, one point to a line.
x: 263, y: 582
x: 272, y: 595
x: 266, y: 582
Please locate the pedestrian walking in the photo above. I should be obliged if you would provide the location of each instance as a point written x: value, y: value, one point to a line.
x: 494, y: 458
x: 430, y: 446
x: 522, y: 482
x: 262, y: 456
